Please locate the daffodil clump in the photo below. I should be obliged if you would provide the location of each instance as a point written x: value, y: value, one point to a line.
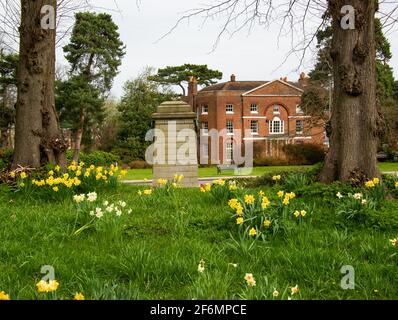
x: 221, y: 190
x: 4, y: 296
x: 354, y: 206
x: 76, y: 177
x: 277, y: 178
x: 375, y: 191
x: 289, y: 293
x: 257, y: 216
x: 51, y: 286
x: 169, y: 185
x: 102, y: 217
x: 162, y: 186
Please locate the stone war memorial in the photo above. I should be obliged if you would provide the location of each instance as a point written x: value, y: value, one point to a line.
x: 175, y: 143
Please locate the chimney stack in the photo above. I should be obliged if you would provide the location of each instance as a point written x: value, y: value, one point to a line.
x: 303, y: 81
x: 233, y: 78
x: 192, y: 91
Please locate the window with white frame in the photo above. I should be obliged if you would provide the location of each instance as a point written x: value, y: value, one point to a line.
x: 298, y: 109
x: 205, y: 150
x: 205, y: 128
x: 229, y: 151
x: 205, y: 109
x: 299, y: 126
x: 276, y: 109
x: 253, y: 108
x: 229, y: 108
x: 230, y: 127
x: 254, y: 126
x: 276, y: 126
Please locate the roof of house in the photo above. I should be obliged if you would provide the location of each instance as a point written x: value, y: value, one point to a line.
x: 243, y: 86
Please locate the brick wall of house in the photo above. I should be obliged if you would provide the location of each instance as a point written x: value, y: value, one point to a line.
x: 265, y: 95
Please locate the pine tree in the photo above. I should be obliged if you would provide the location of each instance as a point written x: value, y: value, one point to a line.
x: 95, y: 52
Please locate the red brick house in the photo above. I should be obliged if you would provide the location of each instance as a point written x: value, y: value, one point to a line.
x: 265, y: 112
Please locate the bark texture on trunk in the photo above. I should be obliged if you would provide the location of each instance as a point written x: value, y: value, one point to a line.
x: 77, y: 138
x: 38, y: 138
x: 355, y: 121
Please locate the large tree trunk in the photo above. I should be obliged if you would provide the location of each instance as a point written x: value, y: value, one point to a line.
x: 38, y: 138
x: 77, y: 137
x: 355, y: 121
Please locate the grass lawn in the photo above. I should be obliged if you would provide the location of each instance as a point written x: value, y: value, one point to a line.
x: 141, y: 174
x: 156, y: 256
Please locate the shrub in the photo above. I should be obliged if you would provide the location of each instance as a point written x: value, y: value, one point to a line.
x: 269, y: 161
x: 97, y: 158
x: 5, y: 158
x: 304, y: 153
x: 125, y: 154
x: 140, y: 164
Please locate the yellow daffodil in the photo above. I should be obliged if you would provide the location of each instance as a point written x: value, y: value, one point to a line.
x: 261, y: 194
x: 57, y: 168
x: 123, y: 173
x: 92, y: 167
x: 51, y: 173
x: 376, y: 180
x: 295, y: 290
x: 23, y: 175
x: 56, y: 189
x: 12, y: 174
x: 303, y: 213
x: 249, y: 199
x: 253, y: 232
x: 4, y: 296
x: 233, y: 203
x: 275, y: 294
x: 208, y: 187
x: 251, y: 282
x: 267, y: 223
x: 393, y: 242
x: 239, y: 210
x: 239, y: 221
x: 290, y: 195
x: 79, y: 296
x: 44, y: 286
x: 162, y: 182
x: 396, y: 184
x: 148, y: 192
x: 286, y: 201
x: 265, y: 203
x: 369, y: 184
x: 78, y: 173
x: 219, y: 182
x: 276, y: 178
x: 281, y: 194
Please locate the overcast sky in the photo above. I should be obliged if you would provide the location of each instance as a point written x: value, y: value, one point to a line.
x: 254, y: 56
